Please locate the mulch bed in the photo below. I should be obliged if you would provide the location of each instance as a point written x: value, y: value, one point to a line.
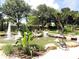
x: 20, y: 54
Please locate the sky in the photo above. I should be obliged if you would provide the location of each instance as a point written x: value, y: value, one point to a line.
x: 57, y: 4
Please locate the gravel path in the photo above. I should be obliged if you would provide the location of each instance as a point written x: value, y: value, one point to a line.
x: 72, y: 53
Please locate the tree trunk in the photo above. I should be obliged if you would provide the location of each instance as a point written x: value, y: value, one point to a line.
x: 60, y: 25
x: 2, y: 26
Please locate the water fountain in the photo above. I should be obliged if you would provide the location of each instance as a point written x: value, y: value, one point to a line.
x: 18, y: 35
x: 9, y: 32
x: 9, y: 36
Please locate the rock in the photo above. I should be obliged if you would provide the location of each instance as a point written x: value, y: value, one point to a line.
x: 57, y: 40
x: 50, y: 46
x: 68, y: 38
x: 71, y: 44
x: 45, y: 33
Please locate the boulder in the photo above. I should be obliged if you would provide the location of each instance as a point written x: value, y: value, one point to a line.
x: 50, y: 46
x: 72, y: 44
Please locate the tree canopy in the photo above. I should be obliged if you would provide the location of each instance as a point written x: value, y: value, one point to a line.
x: 16, y: 9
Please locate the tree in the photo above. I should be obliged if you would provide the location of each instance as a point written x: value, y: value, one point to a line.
x: 65, y: 10
x: 44, y: 14
x: 1, y: 18
x: 65, y: 13
x: 74, y: 15
x: 59, y: 22
x: 32, y: 20
x: 16, y: 9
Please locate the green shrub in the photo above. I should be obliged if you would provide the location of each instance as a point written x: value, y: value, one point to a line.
x: 41, y: 48
x: 26, y: 50
x: 68, y: 29
x: 76, y: 33
x: 8, y: 49
x: 19, y: 46
x: 33, y: 47
x: 37, y: 47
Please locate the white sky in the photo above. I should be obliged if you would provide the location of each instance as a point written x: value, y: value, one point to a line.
x: 73, y: 4
x: 35, y: 3
x: 57, y: 4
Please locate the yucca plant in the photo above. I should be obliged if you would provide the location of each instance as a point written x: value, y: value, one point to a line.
x: 26, y: 39
x: 26, y: 42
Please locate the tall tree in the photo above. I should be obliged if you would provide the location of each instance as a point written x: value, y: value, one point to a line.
x: 44, y: 14
x: 16, y: 9
x: 1, y: 19
x: 65, y: 13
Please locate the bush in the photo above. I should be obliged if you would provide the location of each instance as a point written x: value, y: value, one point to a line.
x: 68, y: 29
x: 8, y: 49
x: 32, y: 48
x: 26, y: 50
x: 41, y: 48
x: 76, y: 33
x: 19, y: 46
x: 37, y: 47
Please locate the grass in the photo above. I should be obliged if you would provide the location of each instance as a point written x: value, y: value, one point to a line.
x: 54, y: 32
x: 43, y: 41
x: 6, y: 41
x: 2, y: 33
x: 76, y: 32
x: 8, y: 49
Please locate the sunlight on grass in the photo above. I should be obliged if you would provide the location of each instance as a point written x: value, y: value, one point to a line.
x: 42, y: 41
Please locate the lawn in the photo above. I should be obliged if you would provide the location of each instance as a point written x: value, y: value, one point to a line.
x: 2, y: 40
x: 43, y: 41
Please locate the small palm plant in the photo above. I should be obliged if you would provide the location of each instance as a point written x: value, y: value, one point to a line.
x: 26, y: 39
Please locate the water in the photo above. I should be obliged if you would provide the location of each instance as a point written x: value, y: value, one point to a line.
x: 9, y: 31
x: 9, y: 36
x: 18, y: 35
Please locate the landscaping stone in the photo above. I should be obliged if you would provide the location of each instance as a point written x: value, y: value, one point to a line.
x: 72, y: 44
x: 45, y: 33
x: 50, y: 46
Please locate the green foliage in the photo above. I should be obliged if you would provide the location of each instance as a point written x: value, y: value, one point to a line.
x: 65, y: 9
x: 40, y: 48
x: 24, y: 40
x: 26, y: 43
x: 1, y: 21
x: 23, y: 29
x: 19, y: 46
x: 44, y: 13
x: 32, y: 20
x: 68, y: 29
x: 36, y: 47
x: 27, y: 50
x: 77, y: 33
x: 16, y: 9
x: 42, y: 42
x: 33, y: 48
x: 8, y: 49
